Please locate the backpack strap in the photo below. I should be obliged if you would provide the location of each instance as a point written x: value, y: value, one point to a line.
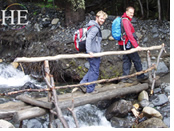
x: 123, y: 32
x: 122, y: 27
x: 99, y: 33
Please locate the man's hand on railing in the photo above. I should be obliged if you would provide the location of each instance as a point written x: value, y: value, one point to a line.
x: 91, y: 55
x: 139, y: 48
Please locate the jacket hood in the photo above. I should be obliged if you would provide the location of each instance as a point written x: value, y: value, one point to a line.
x: 93, y: 22
x: 125, y: 16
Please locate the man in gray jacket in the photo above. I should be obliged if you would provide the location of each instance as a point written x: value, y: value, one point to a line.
x: 93, y: 45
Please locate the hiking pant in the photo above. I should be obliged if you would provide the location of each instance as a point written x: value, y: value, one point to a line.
x: 127, y: 63
x: 92, y: 74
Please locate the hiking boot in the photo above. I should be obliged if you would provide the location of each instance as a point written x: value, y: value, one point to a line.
x: 83, y: 89
x: 142, y: 79
x: 94, y: 92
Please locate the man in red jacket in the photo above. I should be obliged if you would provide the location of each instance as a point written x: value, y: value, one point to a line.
x: 130, y: 40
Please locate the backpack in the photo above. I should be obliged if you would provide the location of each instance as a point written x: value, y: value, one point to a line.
x: 117, y: 28
x: 79, y: 38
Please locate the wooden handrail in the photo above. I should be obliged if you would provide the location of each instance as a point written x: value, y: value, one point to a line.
x: 81, y: 55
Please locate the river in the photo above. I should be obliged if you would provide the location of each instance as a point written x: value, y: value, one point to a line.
x: 87, y: 115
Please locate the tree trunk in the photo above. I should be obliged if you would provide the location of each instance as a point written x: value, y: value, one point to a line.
x: 141, y: 6
x: 159, y: 10
x: 147, y: 7
x: 168, y: 10
x: 74, y: 12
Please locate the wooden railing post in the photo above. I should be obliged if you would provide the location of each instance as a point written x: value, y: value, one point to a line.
x: 52, y: 96
x: 149, y: 65
x: 47, y: 77
x: 154, y: 74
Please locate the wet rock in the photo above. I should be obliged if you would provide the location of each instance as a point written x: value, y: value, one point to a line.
x: 162, y: 68
x: 157, y: 90
x: 2, y: 100
x: 105, y: 34
x: 151, y: 112
x: 152, y: 123
x: 29, y: 85
x: 6, y: 124
x: 167, y: 89
x: 122, y: 122
x: 139, y: 35
x: 119, y: 109
x: 144, y: 103
x: 54, y: 21
x: 154, y: 30
x: 155, y: 35
x: 160, y: 100
x: 111, y: 38
x: 34, y: 123
x: 103, y: 104
x: 167, y: 121
x: 145, y: 39
x: 143, y: 95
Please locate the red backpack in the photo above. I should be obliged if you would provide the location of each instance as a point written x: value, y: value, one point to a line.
x: 79, y: 38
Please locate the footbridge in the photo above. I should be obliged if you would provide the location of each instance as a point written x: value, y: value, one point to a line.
x: 28, y: 107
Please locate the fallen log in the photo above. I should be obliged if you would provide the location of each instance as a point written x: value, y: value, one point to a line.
x: 70, y: 56
x: 92, y: 98
x: 29, y: 100
x: 29, y: 113
x: 7, y: 114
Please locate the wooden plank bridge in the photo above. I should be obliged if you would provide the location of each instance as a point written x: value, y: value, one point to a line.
x: 29, y: 107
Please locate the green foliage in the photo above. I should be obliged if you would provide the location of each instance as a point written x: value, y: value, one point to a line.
x: 48, y: 5
x: 77, y: 4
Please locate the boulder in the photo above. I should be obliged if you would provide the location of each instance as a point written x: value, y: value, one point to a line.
x: 54, y: 21
x: 143, y: 95
x: 111, y: 38
x: 5, y: 124
x: 160, y: 100
x: 34, y: 123
x: 152, y: 123
x: 151, y: 112
x: 144, y: 103
x: 118, y: 109
x: 126, y: 122
x: 105, y: 34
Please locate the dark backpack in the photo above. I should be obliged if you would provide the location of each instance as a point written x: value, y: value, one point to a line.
x: 79, y: 38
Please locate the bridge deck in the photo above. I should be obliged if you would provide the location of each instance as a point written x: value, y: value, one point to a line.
x: 21, y: 110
